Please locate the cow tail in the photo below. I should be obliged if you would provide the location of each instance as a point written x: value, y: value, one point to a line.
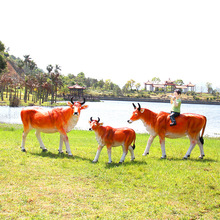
x: 203, y: 130
x: 134, y: 141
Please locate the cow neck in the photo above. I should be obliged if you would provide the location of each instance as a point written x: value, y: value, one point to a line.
x: 148, y: 117
x: 100, y: 130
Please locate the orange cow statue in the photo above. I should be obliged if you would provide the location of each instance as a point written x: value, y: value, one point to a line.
x: 159, y: 124
x: 113, y: 137
x: 59, y: 119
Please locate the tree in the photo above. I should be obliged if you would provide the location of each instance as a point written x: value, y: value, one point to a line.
x: 27, y: 60
x: 32, y: 65
x: 117, y: 91
x: 49, y: 68
x: 137, y: 86
x: 41, y: 79
x: 56, y: 82
x: 129, y: 85
x: 209, y: 87
x: 132, y: 82
x: 3, y: 64
x: 57, y: 69
x: 80, y: 79
x: 2, y: 47
x: 179, y: 82
x: 156, y: 80
x: 107, y: 85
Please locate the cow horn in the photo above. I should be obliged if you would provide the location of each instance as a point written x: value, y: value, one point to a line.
x: 98, y: 119
x: 139, y: 106
x: 72, y: 100
x: 84, y: 100
x: 91, y: 119
x: 134, y: 105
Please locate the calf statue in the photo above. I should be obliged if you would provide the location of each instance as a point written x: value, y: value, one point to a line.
x: 113, y: 137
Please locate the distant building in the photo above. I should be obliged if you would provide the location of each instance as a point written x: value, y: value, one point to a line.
x: 76, y: 90
x: 168, y: 85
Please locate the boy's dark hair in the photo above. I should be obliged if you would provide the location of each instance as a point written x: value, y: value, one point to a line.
x: 178, y: 91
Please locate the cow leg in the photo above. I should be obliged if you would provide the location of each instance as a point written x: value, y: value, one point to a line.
x: 97, y: 154
x: 150, y: 141
x: 37, y: 133
x: 202, y: 154
x: 192, y: 145
x: 61, y: 145
x: 162, y: 145
x: 109, y: 148
x: 66, y: 141
x: 24, y: 135
x: 132, y: 152
x: 125, y: 152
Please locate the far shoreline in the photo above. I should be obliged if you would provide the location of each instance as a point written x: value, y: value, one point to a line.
x: 133, y: 99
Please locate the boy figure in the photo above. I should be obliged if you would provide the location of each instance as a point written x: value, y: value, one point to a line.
x: 176, y: 103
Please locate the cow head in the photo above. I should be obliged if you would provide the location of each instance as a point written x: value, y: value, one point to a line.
x: 94, y: 124
x: 77, y: 106
x: 136, y: 113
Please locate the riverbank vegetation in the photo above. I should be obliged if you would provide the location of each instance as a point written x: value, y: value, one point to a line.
x: 22, y: 82
x: 37, y: 185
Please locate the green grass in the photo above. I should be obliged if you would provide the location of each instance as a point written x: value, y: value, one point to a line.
x: 36, y: 185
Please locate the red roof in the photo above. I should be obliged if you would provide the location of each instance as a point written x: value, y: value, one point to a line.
x: 76, y: 87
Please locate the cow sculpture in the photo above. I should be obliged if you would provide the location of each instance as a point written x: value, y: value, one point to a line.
x: 159, y: 124
x: 59, y: 119
x: 113, y: 137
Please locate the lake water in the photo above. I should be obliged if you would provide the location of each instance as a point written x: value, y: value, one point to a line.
x: 116, y: 114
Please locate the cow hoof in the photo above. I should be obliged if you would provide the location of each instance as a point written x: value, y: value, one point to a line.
x: 95, y: 161
x: 109, y: 162
x: 163, y: 157
x: 185, y: 158
x: 120, y: 162
x: 145, y: 154
x: 60, y: 152
x: 69, y: 154
x: 201, y: 156
x: 23, y: 150
x: 45, y: 150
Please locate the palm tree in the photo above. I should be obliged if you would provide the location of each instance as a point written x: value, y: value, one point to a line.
x: 27, y: 60
x: 49, y: 68
x: 32, y: 65
x: 56, y: 82
x: 41, y: 79
x: 57, y: 68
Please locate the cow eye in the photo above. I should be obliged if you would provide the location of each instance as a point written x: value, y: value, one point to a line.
x: 136, y: 114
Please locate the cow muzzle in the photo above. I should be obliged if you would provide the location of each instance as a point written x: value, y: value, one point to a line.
x: 76, y: 113
x: 129, y: 121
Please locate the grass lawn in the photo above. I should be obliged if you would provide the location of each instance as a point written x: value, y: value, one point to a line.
x: 37, y: 185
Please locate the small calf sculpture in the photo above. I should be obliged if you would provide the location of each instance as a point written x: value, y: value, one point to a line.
x: 113, y: 137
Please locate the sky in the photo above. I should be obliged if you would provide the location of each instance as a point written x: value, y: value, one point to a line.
x: 118, y: 39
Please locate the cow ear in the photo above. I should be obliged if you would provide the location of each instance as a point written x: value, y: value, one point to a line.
x: 70, y: 104
x: 142, y: 110
x: 84, y: 106
x: 101, y: 124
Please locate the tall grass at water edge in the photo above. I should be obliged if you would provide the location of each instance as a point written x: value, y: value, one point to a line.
x: 37, y: 185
